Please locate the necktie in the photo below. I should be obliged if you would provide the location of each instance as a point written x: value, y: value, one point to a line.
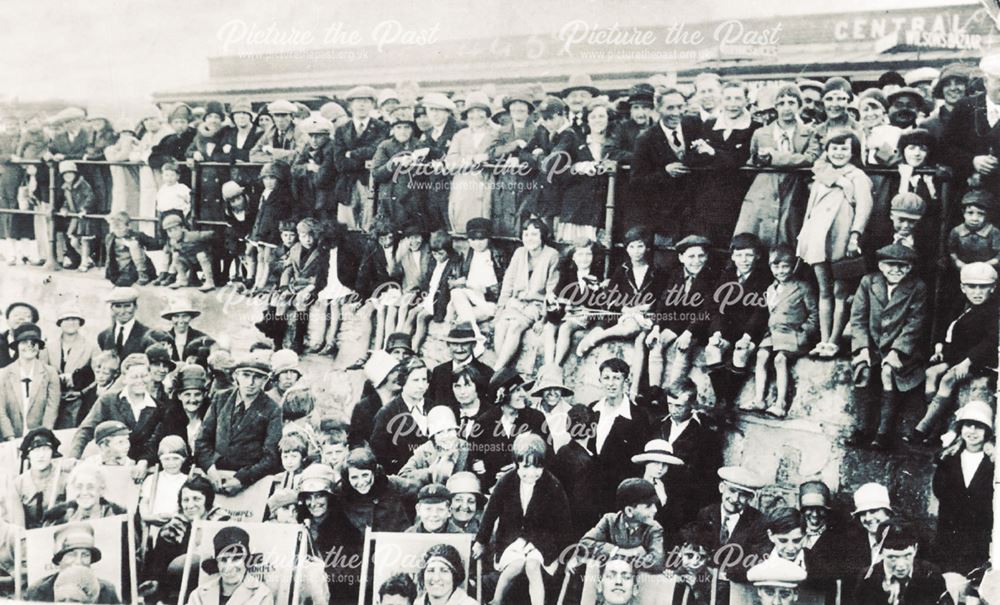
x: 238, y: 412
x: 724, y: 532
x: 27, y: 391
x: 785, y: 144
x: 120, y: 340
x: 678, y: 146
x: 688, y: 282
x: 576, y: 121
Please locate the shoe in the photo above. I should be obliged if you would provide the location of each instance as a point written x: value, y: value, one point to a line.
x: 777, y: 411
x: 142, y: 281
x: 67, y: 262
x: 331, y: 350
x: 161, y: 279
x: 915, y: 437
x: 859, y: 439
x: 882, y: 442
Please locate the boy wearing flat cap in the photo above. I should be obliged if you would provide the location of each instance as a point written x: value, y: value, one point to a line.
x: 969, y: 348
x: 398, y: 203
x: 776, y: 581
x: 888, y: 320
x: 313, y: 172
x: 279, y: 141
x: 354, y: 145
x: 681, y: 311
x: 432, y: 510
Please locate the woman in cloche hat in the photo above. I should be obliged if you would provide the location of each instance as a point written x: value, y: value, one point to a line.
x: 42, y: 389
x: 471, y: 194
x: 963, y: 485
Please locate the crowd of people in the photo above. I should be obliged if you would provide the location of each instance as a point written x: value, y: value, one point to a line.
x: 399, y: 210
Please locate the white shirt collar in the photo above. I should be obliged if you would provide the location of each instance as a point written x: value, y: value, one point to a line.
x: 992, y: 109
x: 623, y: 408
x: 127, y: 327
x: 723, y: 122
x: 146, y: 402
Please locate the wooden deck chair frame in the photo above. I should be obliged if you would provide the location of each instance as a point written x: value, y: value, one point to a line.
x: 366, y: 561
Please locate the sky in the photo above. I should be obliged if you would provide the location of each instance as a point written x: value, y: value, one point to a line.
x: 117, y: 52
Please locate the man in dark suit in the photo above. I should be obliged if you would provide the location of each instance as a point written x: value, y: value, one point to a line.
x: 135, y: 407
x: 126, y: 334
x: 549, y: 150
x: 461, y: 341
x: 185, y: 341
x: 18, y: 314
x: 578, y: 93
x: 354, y: 145
x: 573, y: 467
x: 238, y: 442
x: 693, y: 485
x: 971, y: 139
x: 621, y: 430
x: 437, y: 139
x: 659, y: 178
x: 735, y: 525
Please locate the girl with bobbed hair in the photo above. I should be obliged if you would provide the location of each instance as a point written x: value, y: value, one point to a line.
x: 530, y: 511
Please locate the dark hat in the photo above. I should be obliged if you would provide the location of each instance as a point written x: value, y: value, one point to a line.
x: 952, y: 71
x: 399, y: 340
x: 898, y: 253
x: 29, y: 332
x: 506, y: 380
x: 287, y: 226
x: 814, y: 493
x: 40, y: 437
x: 228, y: 540
x: 216, y: 108
x: 916, y: 136
x: 691, y: 241
x: 908, y: 204
x: 874, y: 94
x: 641, y: 94
x: 159, y: 352
x: 632, y: 492
x: 743, y: 241
x: 72, y: 537
x: 257, y: 363
x: 14, y: 305
x: 973, y: 197
x: 522, y: 95
x: 435, y: 492
x: 110, y: 428
x: 906, y: 91
x: 479, y: 228
x: 838, y: 83
x: 461, y: 333
x: 891, y: 78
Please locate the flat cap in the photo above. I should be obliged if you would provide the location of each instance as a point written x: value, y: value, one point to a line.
x: 741, y: 477
x: 435, y: 492
x: 898, y: 253
x: 775, y: 571
x: 121, y: 295
x: 110, y: 428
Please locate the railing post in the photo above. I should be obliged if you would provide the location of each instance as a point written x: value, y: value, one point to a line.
x: 609, y: 219
x: 195, y: 192
x: 941, y: 250
x: 53, y: 263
